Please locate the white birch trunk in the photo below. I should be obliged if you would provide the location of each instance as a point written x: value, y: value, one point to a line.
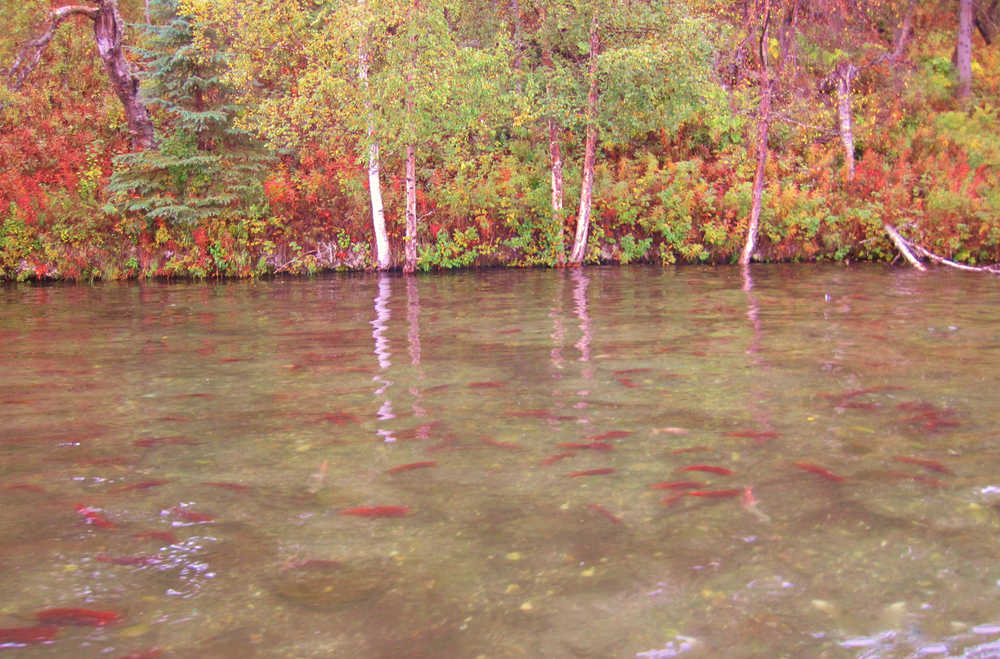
x: 846, y: 71
x: 753, y: 226
x: 378, y: 211
x: 903, y: 247
x: 763, y: 127
x: 382, y: 258
x: 410, y: 236
x: 579, y: 251
x: 556, y: 166
x: 555, y: 155
x: 410, y: 249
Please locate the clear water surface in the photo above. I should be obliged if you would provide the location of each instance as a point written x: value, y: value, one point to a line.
x: 218, y: 465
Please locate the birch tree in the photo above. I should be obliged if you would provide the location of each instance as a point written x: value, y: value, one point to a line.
x: 306, y: 75
x: 858, y: 41
x: 390, y: 77
x: 410, y: 235
x: 578, y: 252
x: 771, y: 23
x: 610, y: 72
x: 763, y: 128
x: 382, y: 257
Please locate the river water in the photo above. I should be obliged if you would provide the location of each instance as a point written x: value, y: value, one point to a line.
x: 624, y: 462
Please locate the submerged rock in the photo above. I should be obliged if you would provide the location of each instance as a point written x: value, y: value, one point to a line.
x: 324, y: 585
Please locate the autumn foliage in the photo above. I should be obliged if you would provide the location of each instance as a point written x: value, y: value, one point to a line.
x: 924, y: 163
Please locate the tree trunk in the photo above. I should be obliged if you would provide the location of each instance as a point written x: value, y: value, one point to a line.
x: 518, y: 36
x: 963, y: 51
x: 410, y: 249
x: 556, y: 164
x: 846, y: 72
x: 586, y: 198
x: 410, y: 236
x: 382, y: 258
x: 108, y: 26
x: 988, y: 20
x: 903, y: 32
x: 590, y: 152
x: 555, y: 155
x: 903, y: 247
x: 378, y: 211
x: 763, y: 127
x: 787, y: 53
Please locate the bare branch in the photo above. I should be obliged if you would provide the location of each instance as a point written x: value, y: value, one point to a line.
x: 822, y: 131
x: 952, y: 264
x: 31, y: 52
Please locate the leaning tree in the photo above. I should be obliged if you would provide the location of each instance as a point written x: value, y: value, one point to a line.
x: 108, y: 29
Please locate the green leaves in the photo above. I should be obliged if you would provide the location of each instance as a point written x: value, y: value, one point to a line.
x: 297, y: 65
x: 654, y: 66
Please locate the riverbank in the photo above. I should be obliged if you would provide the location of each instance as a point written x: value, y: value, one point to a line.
x: 102, y: 249
x: 905, y: 144
x: 674, y: 199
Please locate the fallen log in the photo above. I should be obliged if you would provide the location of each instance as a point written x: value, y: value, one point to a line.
x: 907, y: 249
x: 903, y: 247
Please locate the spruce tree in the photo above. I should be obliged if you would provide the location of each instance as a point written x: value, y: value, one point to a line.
x: 203, y: 166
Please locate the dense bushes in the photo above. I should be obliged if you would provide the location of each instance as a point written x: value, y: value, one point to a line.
x: 923, y: 164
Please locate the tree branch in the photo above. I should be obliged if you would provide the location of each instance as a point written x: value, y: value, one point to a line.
x: 822, y: 131
x: 31, y: 52
x: 960, y: 266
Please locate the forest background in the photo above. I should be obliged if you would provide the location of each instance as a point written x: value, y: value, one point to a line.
x: 239, y: 138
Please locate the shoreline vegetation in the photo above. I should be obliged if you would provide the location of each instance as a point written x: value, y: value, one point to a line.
x: 235, y: 139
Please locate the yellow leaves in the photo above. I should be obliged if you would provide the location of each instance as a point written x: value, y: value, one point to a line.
x: 162, y: 236
x: 521, y: 118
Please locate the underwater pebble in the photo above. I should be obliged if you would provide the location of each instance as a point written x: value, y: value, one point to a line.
x: 937, y: 648
x: 671, y: 649
x: 986, y: 629
x: 824, y: 606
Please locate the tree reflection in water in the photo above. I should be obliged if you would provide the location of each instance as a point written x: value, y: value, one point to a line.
x: 383, y: 353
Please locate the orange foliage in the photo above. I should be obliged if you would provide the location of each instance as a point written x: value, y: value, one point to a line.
x: 870, y: 174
